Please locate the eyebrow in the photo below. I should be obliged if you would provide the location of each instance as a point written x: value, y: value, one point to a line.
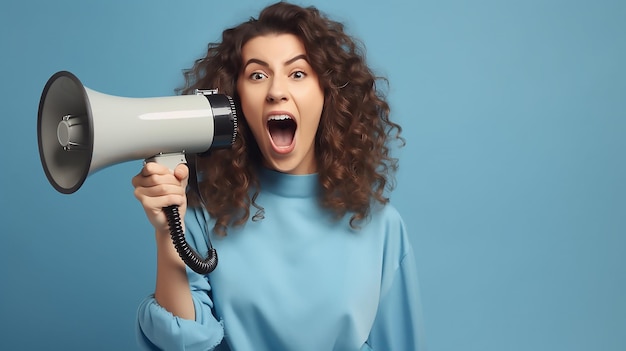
x: 263, y: 63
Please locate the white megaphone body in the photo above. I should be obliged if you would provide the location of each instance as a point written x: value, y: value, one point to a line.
x: 81, y: 131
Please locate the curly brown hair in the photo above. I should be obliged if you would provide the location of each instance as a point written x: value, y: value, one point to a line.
x: 353, y: 158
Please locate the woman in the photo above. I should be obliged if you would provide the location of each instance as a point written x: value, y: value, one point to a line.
x: 312, y: 256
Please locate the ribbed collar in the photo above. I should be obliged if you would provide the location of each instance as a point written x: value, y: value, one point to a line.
x: 289, y: 185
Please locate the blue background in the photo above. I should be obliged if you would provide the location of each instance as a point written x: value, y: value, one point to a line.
x: 512, y: 183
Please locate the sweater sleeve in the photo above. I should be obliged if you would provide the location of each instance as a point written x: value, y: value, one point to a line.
x: 398, y: 325
x: 158, y: 329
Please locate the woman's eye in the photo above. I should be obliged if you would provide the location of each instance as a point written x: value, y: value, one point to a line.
x: 257, y: 76
x: 298, y: 74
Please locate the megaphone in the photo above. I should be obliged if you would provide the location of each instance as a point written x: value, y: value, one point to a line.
x: 81, y: 131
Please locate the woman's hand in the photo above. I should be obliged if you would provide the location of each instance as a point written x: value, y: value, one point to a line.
x: 157, y: 187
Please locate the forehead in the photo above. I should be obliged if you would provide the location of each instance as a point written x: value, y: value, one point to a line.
x: 273, y: 47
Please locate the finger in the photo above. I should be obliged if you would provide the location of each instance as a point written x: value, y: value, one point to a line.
x: 160, y: 196
x: 181, y: 172
x: 162, y: 189
x: 150, y: 168
x: 157, y: 203
x: 141, y: 181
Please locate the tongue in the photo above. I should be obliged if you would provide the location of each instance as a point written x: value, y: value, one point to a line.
x: 281, y: 136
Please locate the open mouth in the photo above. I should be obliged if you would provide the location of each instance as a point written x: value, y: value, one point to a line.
x: 282, y: 129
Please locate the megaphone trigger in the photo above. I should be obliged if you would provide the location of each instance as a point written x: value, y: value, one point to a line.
x: 170, y: 160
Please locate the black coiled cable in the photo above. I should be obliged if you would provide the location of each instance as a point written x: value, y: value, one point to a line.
x: 187, y: 253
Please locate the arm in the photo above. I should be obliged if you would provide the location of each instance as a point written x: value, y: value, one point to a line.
x: 172, y: 286
x: 178, y: 316
x: 157, y: 187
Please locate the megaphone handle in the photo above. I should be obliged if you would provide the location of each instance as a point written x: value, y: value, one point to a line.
x: 191, y: 258
x: 187, y: 253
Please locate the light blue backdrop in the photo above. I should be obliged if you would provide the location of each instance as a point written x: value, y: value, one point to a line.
x: 512, y: 183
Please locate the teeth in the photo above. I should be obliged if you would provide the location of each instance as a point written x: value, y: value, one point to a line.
x: 279, y: 118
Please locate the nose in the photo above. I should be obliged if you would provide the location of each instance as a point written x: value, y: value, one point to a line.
x: 277, y: 91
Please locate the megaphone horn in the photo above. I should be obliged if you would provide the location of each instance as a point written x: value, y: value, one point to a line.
x: 81, y: 131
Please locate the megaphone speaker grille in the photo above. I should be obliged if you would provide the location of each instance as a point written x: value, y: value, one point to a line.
x: 65, y: 132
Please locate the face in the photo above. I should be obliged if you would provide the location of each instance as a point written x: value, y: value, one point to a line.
x: 282, y: 101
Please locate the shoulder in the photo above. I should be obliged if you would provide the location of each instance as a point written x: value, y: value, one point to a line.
x: 387, y: 211
x: 393, y: 243
x: 391, y: 229
x: 388, y: 217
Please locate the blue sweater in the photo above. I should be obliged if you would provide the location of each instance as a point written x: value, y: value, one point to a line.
x: 296, y: 280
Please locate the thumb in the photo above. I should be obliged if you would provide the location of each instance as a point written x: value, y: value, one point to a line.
x: 181, y: 172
